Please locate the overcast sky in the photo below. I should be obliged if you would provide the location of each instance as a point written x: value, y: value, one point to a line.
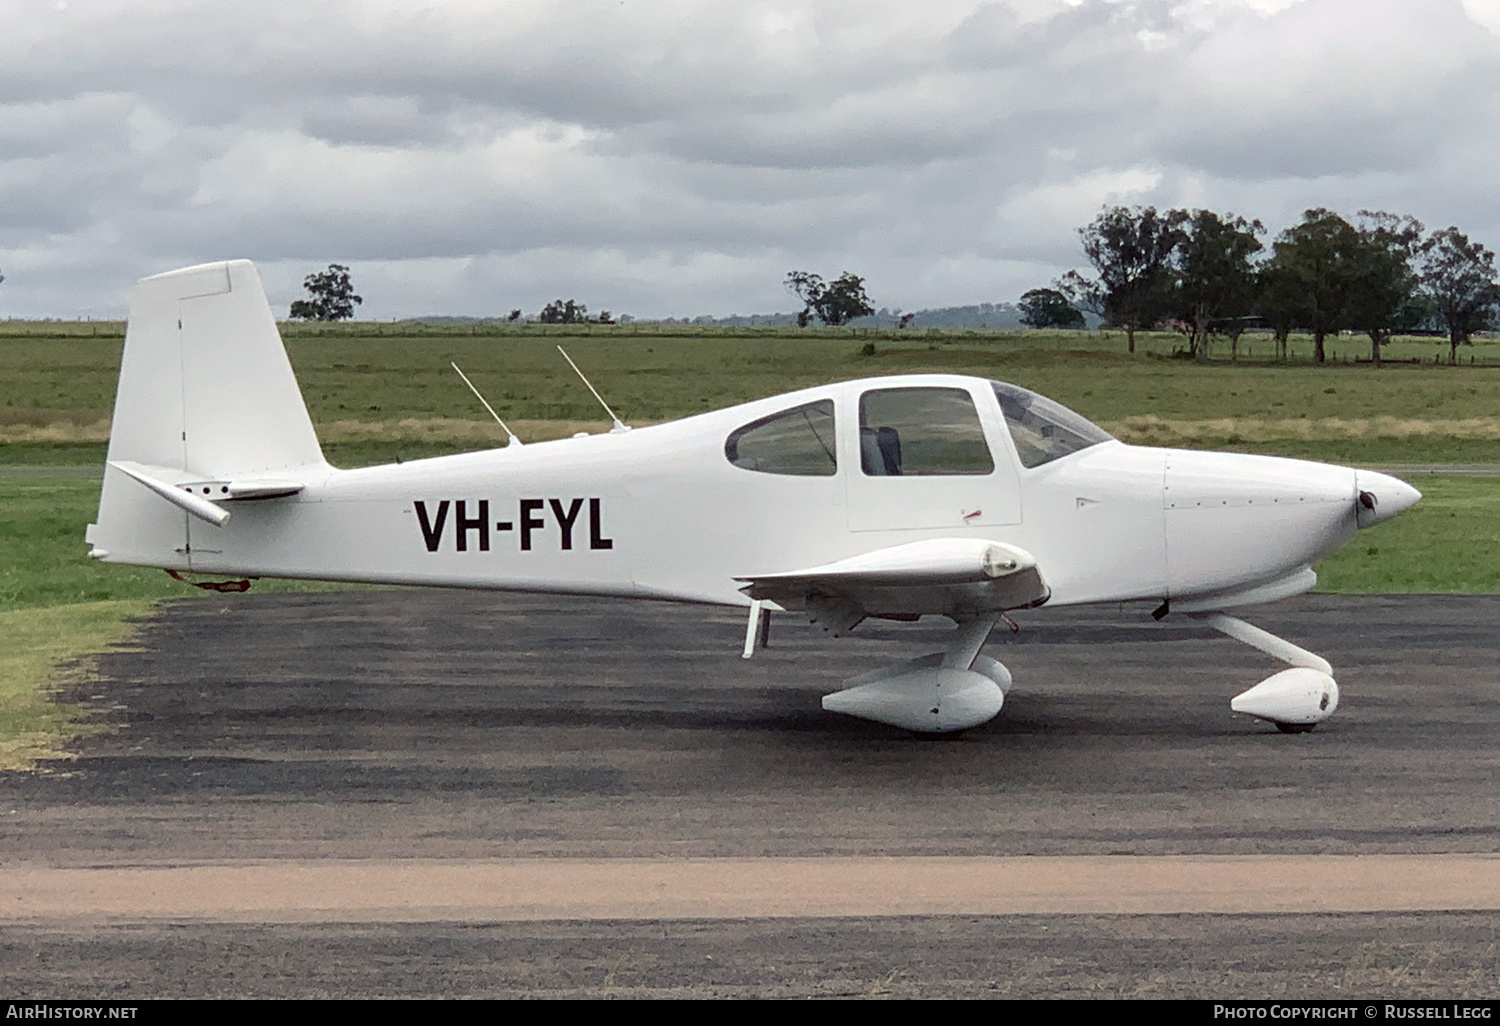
x: 678, y: 157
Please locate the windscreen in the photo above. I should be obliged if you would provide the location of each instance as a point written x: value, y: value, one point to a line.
x: 1042, y: 429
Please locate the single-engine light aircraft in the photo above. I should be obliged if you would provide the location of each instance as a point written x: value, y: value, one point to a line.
x: 893, y: 497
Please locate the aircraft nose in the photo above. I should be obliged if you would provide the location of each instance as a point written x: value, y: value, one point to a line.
x: 1380, y: 497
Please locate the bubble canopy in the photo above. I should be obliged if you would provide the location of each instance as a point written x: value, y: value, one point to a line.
x: 1042, y: 429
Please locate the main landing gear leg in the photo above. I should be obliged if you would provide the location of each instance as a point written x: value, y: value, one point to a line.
x: 758, y: 630
x: 937, y: 693
x: 1296, y: 700
x: 972, y: 634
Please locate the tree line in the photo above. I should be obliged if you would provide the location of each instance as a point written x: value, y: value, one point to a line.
x: 1196, y: 271
x: 330, y: 297
x: 1209, y: 274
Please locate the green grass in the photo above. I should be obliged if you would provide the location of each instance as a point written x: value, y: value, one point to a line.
x: 1448, y: 542
x: 1370, y: 452
x: 56, y: 391
x: 89, y: 455
x: 353, y: 373
x: 41, y: 654
x: 43, y: 513
x: 56, y: 605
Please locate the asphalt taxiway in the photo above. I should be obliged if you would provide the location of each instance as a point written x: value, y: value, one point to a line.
x: 365, y: 735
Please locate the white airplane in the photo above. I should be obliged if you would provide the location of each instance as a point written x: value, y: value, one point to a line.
x: 894, y: 497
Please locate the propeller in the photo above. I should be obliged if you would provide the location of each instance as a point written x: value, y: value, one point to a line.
x: 1379, y: 497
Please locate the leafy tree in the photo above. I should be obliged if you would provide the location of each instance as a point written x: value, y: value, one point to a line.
x: 1278, y: 299
x: 835, y: 303
x: 1383, y: 297
x: 1131, y: 250
x: 1313, y: 264
x: 1459, y: 277
x: 567, y: 312
x: 331, y: 296
x: 513, y: 316
x: 1049, y: 308
x: 1084, y: 294
x: 1215, y: 275
x: 560, y: 312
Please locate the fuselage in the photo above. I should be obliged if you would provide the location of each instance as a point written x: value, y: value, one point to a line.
x: 678, y: 510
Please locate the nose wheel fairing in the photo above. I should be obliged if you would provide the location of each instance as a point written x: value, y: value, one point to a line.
x: 1296, y: 699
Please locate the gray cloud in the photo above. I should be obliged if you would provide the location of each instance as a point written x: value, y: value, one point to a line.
x: 678, y: 158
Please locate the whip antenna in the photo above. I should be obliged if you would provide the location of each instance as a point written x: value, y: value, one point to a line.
x: 513, y: 439
x: 618, y: 425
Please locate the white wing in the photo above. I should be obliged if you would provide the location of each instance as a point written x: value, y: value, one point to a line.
x: 956, y: 577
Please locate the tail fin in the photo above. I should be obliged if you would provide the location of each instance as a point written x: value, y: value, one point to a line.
x: 205, y: 386
x: 206, y: 394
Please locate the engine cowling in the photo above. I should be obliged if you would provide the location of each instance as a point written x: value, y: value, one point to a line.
x: 1299, y: 697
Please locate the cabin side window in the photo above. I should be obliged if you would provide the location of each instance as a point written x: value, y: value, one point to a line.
x: 915, y: 432
x: 798, y: 441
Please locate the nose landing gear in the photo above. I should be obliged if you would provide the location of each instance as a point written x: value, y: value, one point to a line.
x: 1296, y: 700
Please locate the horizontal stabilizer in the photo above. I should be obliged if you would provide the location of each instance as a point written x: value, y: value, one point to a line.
x: 199, y: 497
x: 255, y: 488
x: 177, y: 495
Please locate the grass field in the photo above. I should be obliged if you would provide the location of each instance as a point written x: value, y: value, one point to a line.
x: 376, y: 397
x: 382, y: 392
x: 45, y: 649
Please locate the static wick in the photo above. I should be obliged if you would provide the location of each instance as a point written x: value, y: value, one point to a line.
x: 618, y: 424
x: 513, y: 439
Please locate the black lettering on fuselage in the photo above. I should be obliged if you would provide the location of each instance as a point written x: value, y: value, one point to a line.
x: 566, y: 520
x: 596, y: 528
x: 432, y: 533
x: 533, y: 518
x: 481, y: 523
x: 530, y: 523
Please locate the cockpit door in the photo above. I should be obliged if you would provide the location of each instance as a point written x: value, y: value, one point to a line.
x: 924, y: 457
